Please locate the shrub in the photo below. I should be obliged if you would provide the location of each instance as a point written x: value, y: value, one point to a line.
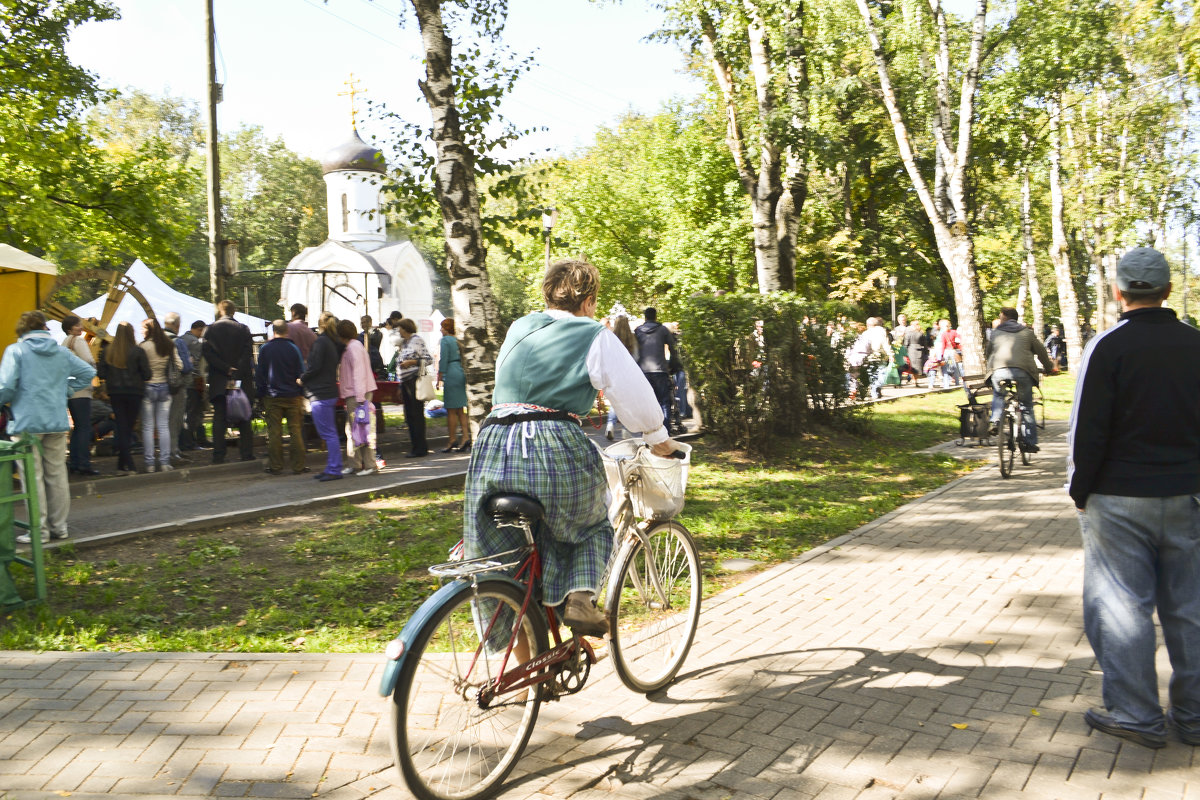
x: 763, y: 366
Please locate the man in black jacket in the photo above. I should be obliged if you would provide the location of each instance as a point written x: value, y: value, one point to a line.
x: 653, y: 340
x: 1134, y: 475
x: 229, y: 352
x: 278, y: 381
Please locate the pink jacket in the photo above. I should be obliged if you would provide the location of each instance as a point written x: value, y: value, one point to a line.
x: 355, y: 378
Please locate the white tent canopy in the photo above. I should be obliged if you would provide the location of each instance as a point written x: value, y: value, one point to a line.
x: 12, y: 258
x: 163, y: 299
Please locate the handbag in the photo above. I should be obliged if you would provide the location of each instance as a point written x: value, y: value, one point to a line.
x: 174, y: 374
x: 237, y: 406
x: 425, y: 390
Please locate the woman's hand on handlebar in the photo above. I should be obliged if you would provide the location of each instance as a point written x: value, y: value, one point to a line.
x: 664, y: 449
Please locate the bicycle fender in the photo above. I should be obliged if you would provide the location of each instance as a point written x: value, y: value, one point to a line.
x: 391, y: 667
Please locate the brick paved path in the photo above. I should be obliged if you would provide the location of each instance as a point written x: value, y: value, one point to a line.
x: 841, y: 675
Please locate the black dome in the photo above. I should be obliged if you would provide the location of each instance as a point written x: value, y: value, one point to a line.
x: 353, y: 154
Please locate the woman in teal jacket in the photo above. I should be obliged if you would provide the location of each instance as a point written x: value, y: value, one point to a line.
x: 36, y: 378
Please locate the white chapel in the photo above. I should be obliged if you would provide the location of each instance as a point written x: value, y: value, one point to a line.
x: 357, y: 270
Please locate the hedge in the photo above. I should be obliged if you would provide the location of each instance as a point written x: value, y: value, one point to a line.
x: 763, y: 366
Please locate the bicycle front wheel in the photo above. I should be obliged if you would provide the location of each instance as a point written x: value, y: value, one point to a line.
x: 1006, y: 445
x: 653, y: 606
x: 447, y: 746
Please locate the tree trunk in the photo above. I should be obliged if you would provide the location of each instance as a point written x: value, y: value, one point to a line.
x: 1029, y: 263
x: 454, y: 182
x: 795, y: 180
x: 764, y: 187
x: 769, y: 185
x: 1068, y: 304
x: 954, y: 238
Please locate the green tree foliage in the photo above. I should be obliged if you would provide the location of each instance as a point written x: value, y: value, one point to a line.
x: 656, y: 205
x: 273, y: 204
x: 61, y: 192
x: 763, y: 366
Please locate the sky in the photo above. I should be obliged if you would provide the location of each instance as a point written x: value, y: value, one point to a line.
x: 283, y: 63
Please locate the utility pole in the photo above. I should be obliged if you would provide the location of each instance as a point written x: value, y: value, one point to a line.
x: 216, y: 258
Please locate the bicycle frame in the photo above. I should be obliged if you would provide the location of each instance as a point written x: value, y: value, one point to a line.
x: 527, y: 575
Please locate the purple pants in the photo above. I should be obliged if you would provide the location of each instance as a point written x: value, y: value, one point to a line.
x: 324, y: 415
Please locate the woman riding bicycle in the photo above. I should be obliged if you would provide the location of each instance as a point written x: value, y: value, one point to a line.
x: 550, y: 367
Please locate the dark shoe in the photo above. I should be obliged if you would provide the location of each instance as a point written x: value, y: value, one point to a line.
x: 203, y: 446
x: 1187, y: 737
x: 415, y: 455
x: 1102, y: 721
x: 451, y: 449
x: 465, y: 448
x: 994, y: 429
x: 301, y: 471
x: 328, y: 476
x: 273, y: 471
x: 581, y: 615
x: 249, y: 458
x: 218, y: 459
x: 89, y: 471
x: 1031, y: 448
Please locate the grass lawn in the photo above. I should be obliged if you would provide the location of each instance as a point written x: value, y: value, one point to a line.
x: 346, y: 579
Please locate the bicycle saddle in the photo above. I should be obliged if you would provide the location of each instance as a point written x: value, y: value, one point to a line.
x: 515, y: 505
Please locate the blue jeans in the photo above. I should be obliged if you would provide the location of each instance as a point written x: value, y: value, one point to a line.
x: 662, y: 385
x: 1140, y: 553
x: 681, y: 395
x: 80, y: 454
x: 324, y: 417
x: 879, y: 374
x: 1024, y: 397
x: 156, y: 418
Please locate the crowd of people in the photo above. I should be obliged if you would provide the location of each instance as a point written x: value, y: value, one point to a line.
x: 171, y: 381
x: 907, y: 353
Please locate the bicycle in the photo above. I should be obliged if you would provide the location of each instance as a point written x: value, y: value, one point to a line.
x: 1010, y: 437
x: 470, y: 670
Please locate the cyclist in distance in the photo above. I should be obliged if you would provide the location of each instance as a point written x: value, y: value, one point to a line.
x: 549, y: 369
x: 1011, y: 353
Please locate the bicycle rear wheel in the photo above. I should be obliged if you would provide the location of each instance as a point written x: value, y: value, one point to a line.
x: 653, y: 606
x: 446, y: 745
x: 1006, y: 445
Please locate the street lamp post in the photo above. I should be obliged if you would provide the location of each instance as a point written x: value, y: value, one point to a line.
x: 892, y: 283
x: 549, y: 217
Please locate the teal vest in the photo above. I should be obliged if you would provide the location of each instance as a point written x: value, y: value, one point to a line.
x: 543, y: 362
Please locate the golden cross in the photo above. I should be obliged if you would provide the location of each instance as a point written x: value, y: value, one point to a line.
x: 351, y: 92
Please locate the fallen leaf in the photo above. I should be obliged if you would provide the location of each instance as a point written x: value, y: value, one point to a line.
x: 989, y: 641
x: 962, y: 726
x: 1035, y: 712
x: 241, y: 623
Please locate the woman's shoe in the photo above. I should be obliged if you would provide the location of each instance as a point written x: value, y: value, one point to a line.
x: 328, y: 476
x: 608, y: 432
x: 465, y: 447
x: 450, y: 449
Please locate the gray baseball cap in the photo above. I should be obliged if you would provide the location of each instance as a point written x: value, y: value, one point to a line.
x: 1143, y: 269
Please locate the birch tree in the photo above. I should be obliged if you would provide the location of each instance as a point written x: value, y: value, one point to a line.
x: 946, y: 203
x: 462, y: 89
x: 757, y: 55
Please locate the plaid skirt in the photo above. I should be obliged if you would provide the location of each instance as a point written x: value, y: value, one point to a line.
x: 554, y: 462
